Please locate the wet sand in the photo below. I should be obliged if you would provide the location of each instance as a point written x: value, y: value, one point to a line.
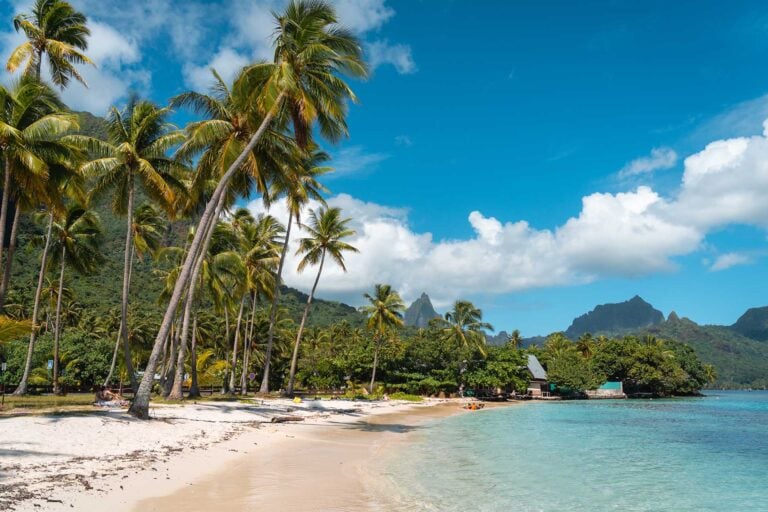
x: 312, y: 467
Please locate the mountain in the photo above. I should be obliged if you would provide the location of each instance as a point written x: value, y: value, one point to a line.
x: 420, y: 312
x: 616, y: 318
x: 499, y: 339
x: 740, y: 361
x: 753, y: 324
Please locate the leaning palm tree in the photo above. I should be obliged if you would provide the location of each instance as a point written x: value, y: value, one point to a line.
x: 75, y: 243
x: 326, y: 233
x: 302, y: 83
x: 298, y: 185
x: 135, y: 154
x: 56, y: 29
x: 464, y: 326
x: 385, y: 315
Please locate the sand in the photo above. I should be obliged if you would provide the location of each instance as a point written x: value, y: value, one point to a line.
x: 199, y: 456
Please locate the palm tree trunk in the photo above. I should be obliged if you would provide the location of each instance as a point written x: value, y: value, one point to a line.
x: 9, y: 257
x: 4, y: 204
x: 22, y: 387
x: 225, y: 382
x: 140, y: 406
x: 174, y: 354
x: 128, y: 253
x: 57, y: 325
x: 120, y: 329
x: 176, y: 391
x: 375, y: 364
x: 194, y: 388
x: 273, y: 312
x: 295, y: 359
x: 248, y: 347
x: 234, y: 350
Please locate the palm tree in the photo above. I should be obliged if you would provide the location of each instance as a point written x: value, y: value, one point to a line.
x: 326, y: 231
x: 385, y: 314
x: 586, y: 345
x: 464, y: 326
x: 75, y: 242
x: 32, y: 118
x: 135, y: 153
x: 298, y: 185
x: 147, y: 228
x: 311, y: 51
x: 56, y: 29
x: 515, y: 339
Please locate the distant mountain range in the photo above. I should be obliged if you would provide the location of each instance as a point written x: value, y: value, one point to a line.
x: 739, y: 352
x: 420, y: 312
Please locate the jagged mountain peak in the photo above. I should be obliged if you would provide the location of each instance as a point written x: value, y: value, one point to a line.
x: 420, y: 312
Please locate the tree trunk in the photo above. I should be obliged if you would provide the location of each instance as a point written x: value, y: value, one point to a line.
x: 375, y: 364
x: 225, y: 381
x: 176, y: 391
x: 22, y: 387
x: 127, y: 254
x: 194, y: 388
x: 4, y: 205
x: 57, y: 325
x: 120, y: 329
x: 248, y: 347
x: 140, y: 406
x: 172, y: 358
x: 273, y: 312
x: 234, y: 350
x: 9, y: 257
x: 295, y: 359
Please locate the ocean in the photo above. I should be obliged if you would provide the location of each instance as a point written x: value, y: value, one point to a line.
x: 691, y: 454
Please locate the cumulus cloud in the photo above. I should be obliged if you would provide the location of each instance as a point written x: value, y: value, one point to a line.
x: 226, y: 63
x: 627, y: 234
x: 728, y: 260
x: 659, y: 159
x: 398, y: 55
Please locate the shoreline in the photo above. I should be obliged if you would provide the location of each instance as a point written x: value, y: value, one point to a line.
x: 223, y: 452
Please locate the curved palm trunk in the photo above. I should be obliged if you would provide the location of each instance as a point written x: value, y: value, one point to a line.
x: 57, y: 324
x: 295, y: 359
x: 140, y: 406
x: 234, y: 349
x: 273, y: 312
x: 128, y: 254
x: 194, y: 388
x: 171, y: 370
x: 9, y: 258
x: 22, y: 387
x: 4, y: 204
x: 176, y: 390
x: 248, y: 347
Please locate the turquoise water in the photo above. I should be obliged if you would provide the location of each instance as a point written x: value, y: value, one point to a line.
x: 699, y: 454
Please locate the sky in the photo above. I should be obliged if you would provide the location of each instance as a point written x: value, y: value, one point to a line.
x: 535, y: 157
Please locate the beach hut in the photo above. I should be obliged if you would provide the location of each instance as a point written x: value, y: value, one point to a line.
x: 538, y: 386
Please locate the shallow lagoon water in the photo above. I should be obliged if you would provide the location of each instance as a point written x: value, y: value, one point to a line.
x: 697, y: 454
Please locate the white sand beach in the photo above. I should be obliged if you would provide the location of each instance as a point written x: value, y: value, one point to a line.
x: 191, y: 457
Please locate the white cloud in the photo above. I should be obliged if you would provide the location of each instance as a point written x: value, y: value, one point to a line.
x: 627, y: 234
x: 398, y: 55
x: 403, y: 140
x: 731, y: 259
x: 353, y: 160
x: 227, y: 63
x: 363, y: 15
x: 659, y: 159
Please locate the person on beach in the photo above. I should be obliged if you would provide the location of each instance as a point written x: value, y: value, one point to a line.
x: 106, y: 398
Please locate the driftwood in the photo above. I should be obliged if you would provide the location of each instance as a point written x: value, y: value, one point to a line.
x: 285, y: 419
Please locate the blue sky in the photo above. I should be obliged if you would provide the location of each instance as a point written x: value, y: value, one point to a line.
x: 531, y: 156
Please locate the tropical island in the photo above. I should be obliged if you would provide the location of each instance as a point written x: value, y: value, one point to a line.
x: 143, y: 278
